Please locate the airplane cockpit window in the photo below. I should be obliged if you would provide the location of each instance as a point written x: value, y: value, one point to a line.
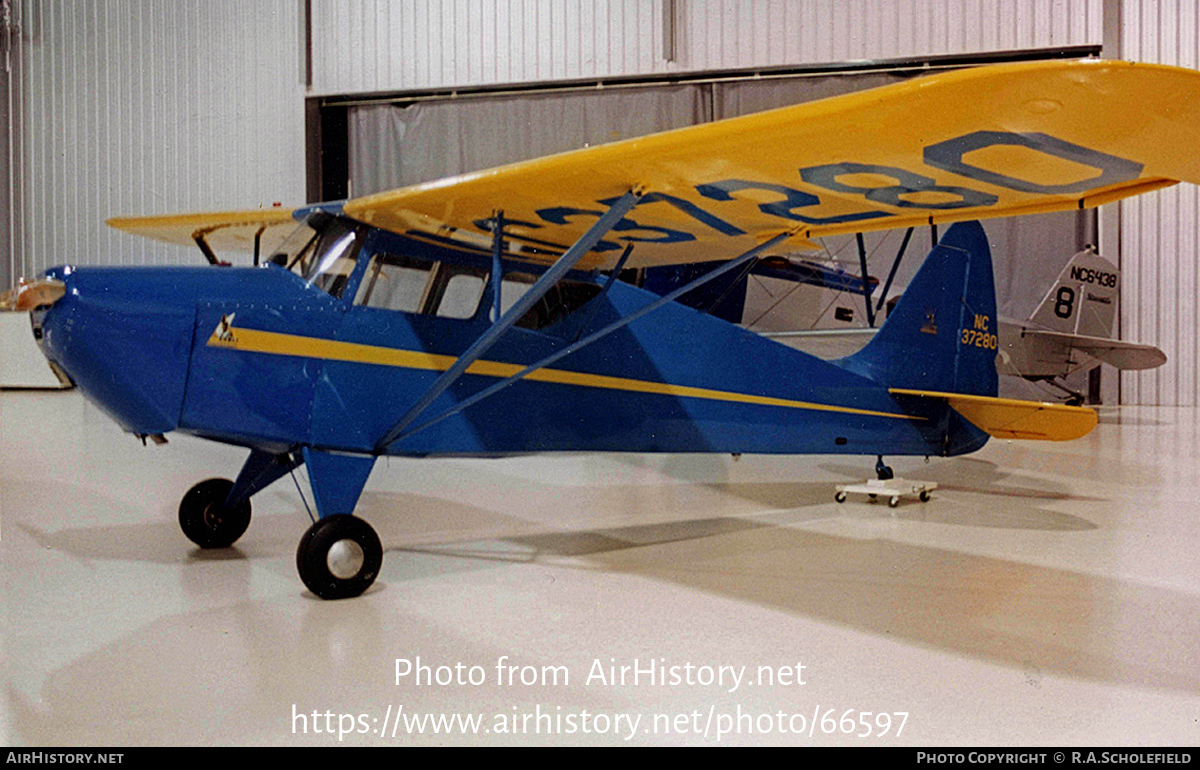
x: 449, y: 290
x: 394, y: 282
x: 564, y: 298
x: 410, y: 285
x: 323, y: 257
x: 290, y: 254
x: 332, y: 258
x: 461, y: 290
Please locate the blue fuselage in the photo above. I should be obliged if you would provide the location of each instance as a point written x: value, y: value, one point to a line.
x: 261, y: 358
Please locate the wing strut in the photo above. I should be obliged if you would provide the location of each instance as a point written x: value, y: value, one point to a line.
x: 497, y: 263
x: 205, y: 248
x: 866, y: 285
x: 892, y: 273
x: 588, y: 340
x: 258, y: 244
x: 560, y: 268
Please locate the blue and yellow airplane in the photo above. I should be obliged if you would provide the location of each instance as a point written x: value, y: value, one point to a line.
x: 482, y: 315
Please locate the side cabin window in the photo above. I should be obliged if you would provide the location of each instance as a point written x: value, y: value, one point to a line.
x: 564, y: 298
x: 446, y: 290
x: 395, y: 283
x: 456, y: 291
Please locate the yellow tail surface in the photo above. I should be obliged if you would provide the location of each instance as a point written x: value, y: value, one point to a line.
x: 1011, y: 418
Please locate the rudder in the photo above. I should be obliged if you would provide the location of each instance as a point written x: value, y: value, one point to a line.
x: 942, y: 334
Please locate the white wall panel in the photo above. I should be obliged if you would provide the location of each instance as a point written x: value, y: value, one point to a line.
x: 396, y: 45
x: 1159, y: 232
x: 134, y: 107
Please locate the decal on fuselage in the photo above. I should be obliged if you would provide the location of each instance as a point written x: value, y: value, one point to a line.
x: 223, y: 334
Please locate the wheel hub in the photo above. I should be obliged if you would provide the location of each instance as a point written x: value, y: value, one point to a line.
x: 345, y: 559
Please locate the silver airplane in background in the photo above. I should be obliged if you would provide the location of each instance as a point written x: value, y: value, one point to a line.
x: 1070, y: 330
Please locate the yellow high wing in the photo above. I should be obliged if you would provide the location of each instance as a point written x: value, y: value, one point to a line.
x: 221, y: 231
x: 976, y: 143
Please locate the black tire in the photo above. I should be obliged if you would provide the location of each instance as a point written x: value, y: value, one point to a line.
x: 924, y: 496
x: 347, y: 539
x: 206, y: 521
x: 840, y: 497
x: 893, y: 502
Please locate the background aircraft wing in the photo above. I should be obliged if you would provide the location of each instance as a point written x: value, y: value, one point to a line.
x: 1123, y: 355
x: 968, y: 144
x: 825, y: 343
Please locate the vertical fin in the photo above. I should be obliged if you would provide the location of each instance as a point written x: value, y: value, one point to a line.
x: 942, y: 335
x: 1084, y: 298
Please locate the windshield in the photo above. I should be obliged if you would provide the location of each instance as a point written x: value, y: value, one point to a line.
x: 324, y: 259
x: 298, y: 243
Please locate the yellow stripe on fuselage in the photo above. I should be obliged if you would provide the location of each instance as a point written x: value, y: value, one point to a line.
x: 275, y: 343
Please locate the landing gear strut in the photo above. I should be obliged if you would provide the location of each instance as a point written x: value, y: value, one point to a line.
x: 338, y: 557
x: 1074, y: 398
x: 884, y: 472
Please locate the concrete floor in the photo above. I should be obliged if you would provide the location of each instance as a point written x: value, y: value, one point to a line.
x: 1048, y: 594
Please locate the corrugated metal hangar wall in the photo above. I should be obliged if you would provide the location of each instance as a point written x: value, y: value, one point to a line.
x: 136, y: 106
x: 1159, y: 231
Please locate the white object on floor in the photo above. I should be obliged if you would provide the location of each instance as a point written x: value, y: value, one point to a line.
x: 891, y: 489
x: 22, y: 364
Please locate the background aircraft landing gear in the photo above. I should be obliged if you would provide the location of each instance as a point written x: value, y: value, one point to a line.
x: 339, y: 556
x: 204, y: 518
x: 884, y: 472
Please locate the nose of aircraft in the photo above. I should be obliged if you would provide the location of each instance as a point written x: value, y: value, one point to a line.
x: 121, y: 335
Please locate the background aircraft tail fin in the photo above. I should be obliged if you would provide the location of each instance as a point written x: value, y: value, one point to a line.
x: 942, y: 334
x: 1084, y: 298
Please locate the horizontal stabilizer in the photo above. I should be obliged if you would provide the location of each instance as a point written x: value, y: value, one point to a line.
x: 1011, y: 418
x: 1122, y: 355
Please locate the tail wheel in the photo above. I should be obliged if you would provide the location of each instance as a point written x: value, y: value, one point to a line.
x: 204, y: 518
x: 339, y: 557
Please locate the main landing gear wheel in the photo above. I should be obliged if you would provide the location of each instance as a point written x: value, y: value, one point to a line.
x: 339, y: 557
x: 206, y: 521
